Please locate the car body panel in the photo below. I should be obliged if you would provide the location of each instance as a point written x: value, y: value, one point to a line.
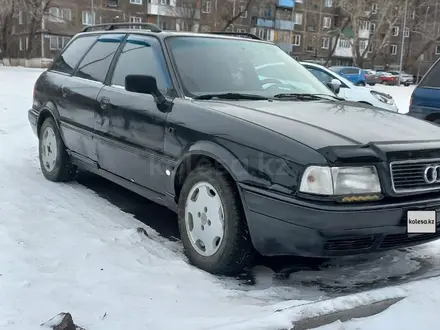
x: 348, y: 90
x: 354, y: 74
x: 425, y: 99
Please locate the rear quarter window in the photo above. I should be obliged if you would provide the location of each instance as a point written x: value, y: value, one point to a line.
x: 432, y: 78
x: 350, y: 71
x: 71, y: 56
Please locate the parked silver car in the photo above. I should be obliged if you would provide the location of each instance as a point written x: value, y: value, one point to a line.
x: 405, y: 78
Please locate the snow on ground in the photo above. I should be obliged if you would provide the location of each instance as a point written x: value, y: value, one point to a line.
x: 65, y: 249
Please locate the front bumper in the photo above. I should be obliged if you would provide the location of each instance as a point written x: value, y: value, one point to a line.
x: 286, y: 226
x: 33, y: 117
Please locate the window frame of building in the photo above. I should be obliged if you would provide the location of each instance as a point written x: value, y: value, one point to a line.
x: 86, y: 14
x: 300, y: 20
x: 372, y: 26
x: 374, y: 7
x: 20, y: 17
x: 243, y: 11
x: 207, y: 6
x: 136, y: 2
x: 296, y: 40
x: 393, y: 49
x: 327, y: 22
x: 406, y: 32
x: 395, y: 31
x: 325, y: 43
x: 328, y: 3
x: 437, y: 50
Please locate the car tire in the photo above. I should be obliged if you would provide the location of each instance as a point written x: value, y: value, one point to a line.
x: 372, y: 84
x: 54, y: 160
x: 210, y: 210
x: 362, y: 83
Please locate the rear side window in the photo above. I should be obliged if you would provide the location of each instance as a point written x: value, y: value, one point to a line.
x: 70, y: 57
x: 432, y: 78
x: 350, y: 71
x: 96, y: 63
x: 142, y: 55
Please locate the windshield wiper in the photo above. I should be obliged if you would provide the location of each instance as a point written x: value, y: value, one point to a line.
x: 306, y: 96
x: 231, y: 96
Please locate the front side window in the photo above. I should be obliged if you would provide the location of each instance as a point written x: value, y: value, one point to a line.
x: 321, y: 75
x: 432, y: 79
x: 142, y: 55
x: 96, y: 63
x: 70, y: 57
x: 208, y: 65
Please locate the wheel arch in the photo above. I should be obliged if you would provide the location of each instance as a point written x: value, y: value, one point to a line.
x: 48, y: 110
x: 206, y: 151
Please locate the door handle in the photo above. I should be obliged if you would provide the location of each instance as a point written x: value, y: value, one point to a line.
x: 65, y: 91
x: 103, y: 102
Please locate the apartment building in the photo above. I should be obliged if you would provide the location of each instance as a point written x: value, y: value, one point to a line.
x: 35, y: 43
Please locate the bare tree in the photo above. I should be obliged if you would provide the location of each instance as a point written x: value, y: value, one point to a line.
x: 8, y: 9
x: 230, y: 12
x: 360, y: 14
x: 36, y: 11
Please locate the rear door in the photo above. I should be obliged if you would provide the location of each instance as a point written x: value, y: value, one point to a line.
x: 80, y: 94
x: 351, y: 74
x: 131, y: 128
x: 426, y: 96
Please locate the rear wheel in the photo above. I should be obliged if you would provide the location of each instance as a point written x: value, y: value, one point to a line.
x: 212, y: 222
x: 54, y: 160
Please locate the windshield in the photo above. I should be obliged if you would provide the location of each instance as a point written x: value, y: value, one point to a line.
x: 219, y: 65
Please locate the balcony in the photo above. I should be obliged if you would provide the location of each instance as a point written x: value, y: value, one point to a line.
x: 284, y: 25
x: 286, y: 3
x: 265, y: 22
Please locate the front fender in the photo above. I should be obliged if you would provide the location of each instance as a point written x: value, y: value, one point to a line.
x: 245, y: 165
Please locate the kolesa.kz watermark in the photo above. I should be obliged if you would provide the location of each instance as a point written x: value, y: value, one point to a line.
x: 421, y: 222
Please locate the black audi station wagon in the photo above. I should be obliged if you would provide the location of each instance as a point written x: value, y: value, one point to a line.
x: 276, y: 165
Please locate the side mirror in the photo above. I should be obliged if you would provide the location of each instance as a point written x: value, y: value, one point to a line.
x: 335, y: 85
x: 144, y: 84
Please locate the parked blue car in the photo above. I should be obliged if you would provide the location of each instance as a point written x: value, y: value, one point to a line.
x: 355, y: 75
x: 425, y: 99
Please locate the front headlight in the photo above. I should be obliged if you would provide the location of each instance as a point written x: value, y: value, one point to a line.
x: 382, y: 98
x: 337, y: 181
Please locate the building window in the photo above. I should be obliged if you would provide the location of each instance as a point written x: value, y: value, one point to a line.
x: 393, y: 49
x: 88, y: 18
x: 20, y: 44
x: 207, y: 6
x: 298, y: 18
x: 328, y: 3
x: 362, y: 45
x: 374, y: 7
x: 437, y: 50
x: 136, y: 2
x: 365, y: 25
x: 395, y: 31
x: 296, y: 39
x: 263, y: 33
x: 136, y: 19
x: 325, y: 43
x: 60, y: 14
x: 20, y: 17
x: 112, y: 3
x: 58, y: 43
x: 241, y: 30
x: 372, y: 27
x: 205, y: 28
x: 370, y: 48
x: 243, y: 12
x: 165, y: 2
x: 406, y: 32
x: 327, y: 22
x: 343, y: 43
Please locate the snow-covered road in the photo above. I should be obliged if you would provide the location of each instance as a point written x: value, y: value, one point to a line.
x: 65, y: 247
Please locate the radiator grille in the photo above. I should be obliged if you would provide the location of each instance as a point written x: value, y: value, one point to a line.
x: 409, y: 176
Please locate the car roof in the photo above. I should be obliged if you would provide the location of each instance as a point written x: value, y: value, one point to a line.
x: 152, y: 29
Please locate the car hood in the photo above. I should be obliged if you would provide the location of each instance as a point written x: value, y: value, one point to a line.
x: 320, y: 124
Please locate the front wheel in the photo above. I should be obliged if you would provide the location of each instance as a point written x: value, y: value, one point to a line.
x: 362, y: 83
x: 212, y: 223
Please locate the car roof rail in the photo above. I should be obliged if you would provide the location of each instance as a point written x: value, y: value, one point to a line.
x: 115, y: 26
x: 237, y: 34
